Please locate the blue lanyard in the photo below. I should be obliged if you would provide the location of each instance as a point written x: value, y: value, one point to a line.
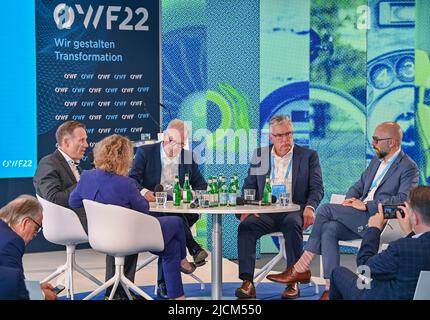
x: 376, y: 180
x: 288, y: 169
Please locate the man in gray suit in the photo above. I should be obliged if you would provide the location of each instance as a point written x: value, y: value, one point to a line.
x: 58, y: 173
x: 388, y: 179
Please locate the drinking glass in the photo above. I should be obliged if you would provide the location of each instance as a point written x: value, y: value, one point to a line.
x: 160, y: 199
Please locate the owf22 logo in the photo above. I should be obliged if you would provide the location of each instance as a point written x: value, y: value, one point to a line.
x: 64, y: 17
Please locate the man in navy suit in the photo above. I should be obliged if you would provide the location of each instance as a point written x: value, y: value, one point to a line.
x: 388, y: 179
x: 20, y: 221
x: 292, y: 169
x: 394, y: 272
x: 158, y: 164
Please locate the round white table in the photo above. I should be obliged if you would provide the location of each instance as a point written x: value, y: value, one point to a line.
x: 216, y: 212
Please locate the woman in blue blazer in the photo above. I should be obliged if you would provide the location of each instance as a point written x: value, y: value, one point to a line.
x: 109, y: 184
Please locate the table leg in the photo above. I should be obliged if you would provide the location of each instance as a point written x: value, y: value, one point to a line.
x: 216, y: 261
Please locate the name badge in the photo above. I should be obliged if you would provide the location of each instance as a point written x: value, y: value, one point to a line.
x: 277, y: 189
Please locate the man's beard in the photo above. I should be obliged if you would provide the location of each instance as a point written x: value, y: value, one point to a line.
x: 381, y: 154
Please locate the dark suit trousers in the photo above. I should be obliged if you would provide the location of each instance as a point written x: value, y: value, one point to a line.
x: 343, y: 285
x: 252, y: 228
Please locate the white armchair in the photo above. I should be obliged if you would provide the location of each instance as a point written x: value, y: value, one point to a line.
x: 119, y: 232
x: 62, y: 226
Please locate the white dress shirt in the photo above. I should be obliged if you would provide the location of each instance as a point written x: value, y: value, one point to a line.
x: 169, y: 169
x: 382, y: 166
x: 280, y: 170
x: 73, y: 164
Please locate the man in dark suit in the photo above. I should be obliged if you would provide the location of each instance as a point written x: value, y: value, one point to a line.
x: 20, y: 221
x: 394, y: 272
x: 388, y: 179
x: 158, y: 164
x: 292, y: 169
x: 58, y: 173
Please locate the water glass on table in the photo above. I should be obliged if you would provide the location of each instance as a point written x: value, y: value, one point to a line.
x: 160, y: 199
x: 284, y: 199
x: 249, y: 194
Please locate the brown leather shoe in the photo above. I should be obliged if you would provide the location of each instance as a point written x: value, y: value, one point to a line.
x: 324, y: 295
x: 246, y: 291
x: 292, y: 291
x: 290, y: 276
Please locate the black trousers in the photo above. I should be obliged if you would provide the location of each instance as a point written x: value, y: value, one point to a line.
x: 253, y: 228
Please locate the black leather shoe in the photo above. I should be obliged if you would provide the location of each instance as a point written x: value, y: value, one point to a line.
x: 162, y: 291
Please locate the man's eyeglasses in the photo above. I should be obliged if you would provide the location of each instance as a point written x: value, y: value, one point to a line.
x: 174, y: 142
x: 39, y: 227
x: 376, y: 139
x: 282, y: 135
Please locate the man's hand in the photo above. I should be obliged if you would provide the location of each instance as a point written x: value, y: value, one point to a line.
x: 405, y: 223
x: 150, y: 196
x: 246, y: 215
x: 47, y: 290
x: 308, y: 217
x: 355, y: 203
x: 377, y: 220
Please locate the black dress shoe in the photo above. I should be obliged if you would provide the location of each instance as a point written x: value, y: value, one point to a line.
x: 162, y: 291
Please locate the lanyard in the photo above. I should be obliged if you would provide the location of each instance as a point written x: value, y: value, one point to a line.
x: 376, y: 180
x: 288, y: 169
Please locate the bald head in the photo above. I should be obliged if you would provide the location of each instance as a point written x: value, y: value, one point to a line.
x: 392, y: 130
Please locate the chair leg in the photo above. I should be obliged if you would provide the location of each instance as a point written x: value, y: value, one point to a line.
x: 146, y: 262
x: 321, y: 267
x: 101, y: 288
x: 118, y: 272
x: 135, y: 288
x: 86, y: 274
x: 55, y: 274
x: 126, y: 290
x: 202, y: 284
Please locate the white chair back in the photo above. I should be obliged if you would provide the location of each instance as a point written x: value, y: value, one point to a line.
x: 61, y: 225
x: 422, y: 291
x: 119, y: 231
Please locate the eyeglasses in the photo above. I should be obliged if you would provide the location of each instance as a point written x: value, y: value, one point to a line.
x: 376, y: 139
x: 174, y: 142
x: 282, y: 135
x: 39, y: 227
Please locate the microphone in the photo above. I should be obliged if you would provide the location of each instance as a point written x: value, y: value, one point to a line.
x: 168, y: 110
x: 241, y: 201
x: 194, y: 204
x: 158, y: 188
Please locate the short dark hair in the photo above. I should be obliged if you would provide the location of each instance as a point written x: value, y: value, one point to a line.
x: 419, y: 200
x: 66, y: 129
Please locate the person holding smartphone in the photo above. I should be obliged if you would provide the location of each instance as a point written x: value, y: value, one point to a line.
x: 394, y: 272
x: 20, y: 221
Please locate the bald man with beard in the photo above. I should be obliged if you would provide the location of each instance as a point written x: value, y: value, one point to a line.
x: 388, y: 179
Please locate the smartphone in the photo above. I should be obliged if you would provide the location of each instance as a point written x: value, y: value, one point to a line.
x: 390, y: 210
x: 58, y: 289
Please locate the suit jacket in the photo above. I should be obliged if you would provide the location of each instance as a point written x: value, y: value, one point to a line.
x: 394, y: 188
x: 146, y: 168
x: 54, y: 181
x: 307, y: 184
x: 394, y: 271
x: 12, y: 248
x: 108, y: 188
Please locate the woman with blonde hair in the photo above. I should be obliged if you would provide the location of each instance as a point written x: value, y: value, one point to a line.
x: 109, y: 184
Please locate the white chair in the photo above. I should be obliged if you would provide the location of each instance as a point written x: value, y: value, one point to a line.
x: 422, y: 290
x: 62, y: 226
x: 262, y: 273
x: 119, y: 232
x: 152, y: 258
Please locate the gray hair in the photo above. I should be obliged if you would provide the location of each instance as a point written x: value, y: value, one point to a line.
x: 22, y: 207
x: 279, y: 119
x: 179, y: 125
